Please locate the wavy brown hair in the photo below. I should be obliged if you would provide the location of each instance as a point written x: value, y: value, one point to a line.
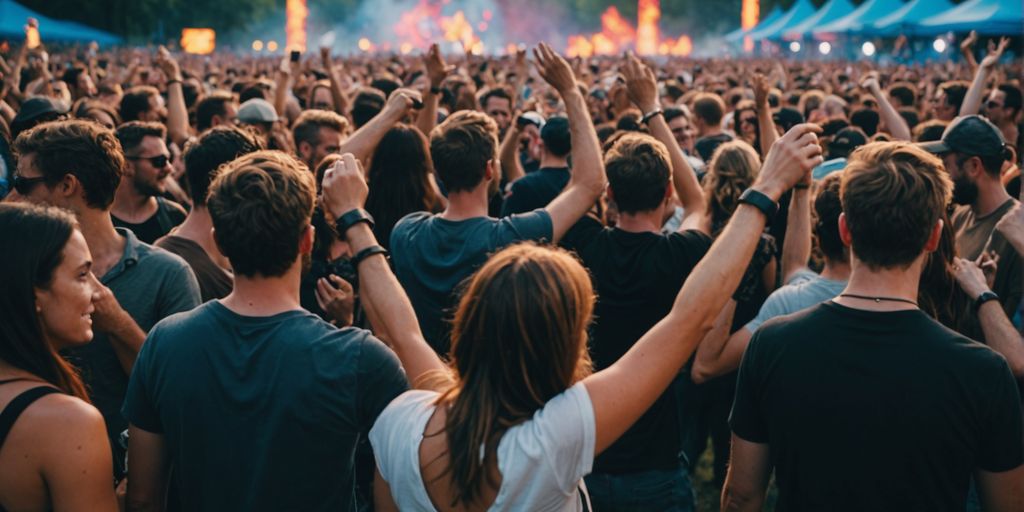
x: 733, y: 168
x: 519, y: 339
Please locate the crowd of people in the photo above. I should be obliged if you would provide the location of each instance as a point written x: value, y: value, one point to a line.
x: 469, y: 283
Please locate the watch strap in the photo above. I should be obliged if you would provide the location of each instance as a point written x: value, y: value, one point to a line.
x: 652, y: 114
x: 984, y: 297
x: 760, y: 201
x: 351, y: 218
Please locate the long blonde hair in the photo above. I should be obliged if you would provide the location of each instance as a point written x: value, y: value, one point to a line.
x: 733, y: 168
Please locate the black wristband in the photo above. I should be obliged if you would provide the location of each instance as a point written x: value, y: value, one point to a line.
x: 760, y: 201
x: 351, y: 218
x: 174, y: 81
x: 983, y: 298
x: 652, y: 114
x: 435, y: 90
x: 366, y: 253
x: 802, y: 186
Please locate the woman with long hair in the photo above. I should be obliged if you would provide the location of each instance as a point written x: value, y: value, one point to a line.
x: 401, y: 180
x: 54, y: 452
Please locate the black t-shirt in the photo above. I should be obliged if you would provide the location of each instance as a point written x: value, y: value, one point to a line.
x: 637, y: 277
x: 875, y: 410
x: 168, y: 215
x: 535, y: 190
x: 261, y: 413
x: 706, y: 146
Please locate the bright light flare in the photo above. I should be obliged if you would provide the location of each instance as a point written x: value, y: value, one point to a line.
x: 794, y: 46
x: 295, y: 24
x: 825, y: 48
x: 939, y: 45
x: 257, y: 45
x: 868, y: 49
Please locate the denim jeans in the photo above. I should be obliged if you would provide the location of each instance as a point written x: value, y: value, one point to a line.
x: 667, y: 491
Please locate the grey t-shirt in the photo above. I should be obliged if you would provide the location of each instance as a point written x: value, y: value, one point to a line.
x: 261, y: 413
x: 805, y: 289
x: 150, y: 284
x: 432, y: 256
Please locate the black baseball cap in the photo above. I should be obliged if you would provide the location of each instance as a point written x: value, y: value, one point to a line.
x: 969, y: 135
x: 38, y: 106
x: 847, y: 140
x: 788, y: 117
x: 555, y: 135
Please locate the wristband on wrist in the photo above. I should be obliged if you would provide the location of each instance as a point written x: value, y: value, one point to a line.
x: 985, y: 296
x: 652, y: 114
x: 351, y: 218
x: 760, y: 201
x: 366, y: 253
x: 802, y: 186
x: 435, y: 90
x: 173, y: 81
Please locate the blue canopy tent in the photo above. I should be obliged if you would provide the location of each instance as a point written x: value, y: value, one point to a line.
x: 736, y: 36
x: 14, y: 15
x: 831, y: 11
x: 864, y: 15
x: 905, y: 19
x: 993, y: 17
x: 800, y: 11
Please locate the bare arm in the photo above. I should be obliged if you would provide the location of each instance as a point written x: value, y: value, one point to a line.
x: 1000, y: 334
x: 747, y: 479
x: 976, y: 93
x: 714, y: 343
x: 897, y: 126
x: 345, y: 190
x: 765, y: 123
x: 340, y: 101
x: 967, y: 50
x: 622, y: 392
x: 364, y: 141
x: 77, y: 465
x: 587, y: 181
x: 177, y: 113
x: 796, y: 248
x: 437, y: 70
x: 382, y: 499
x: 282, y: 84
x: 148, y: 466
x: 509, y: 154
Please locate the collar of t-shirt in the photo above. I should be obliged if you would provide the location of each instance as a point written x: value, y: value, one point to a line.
x: 129, y: 258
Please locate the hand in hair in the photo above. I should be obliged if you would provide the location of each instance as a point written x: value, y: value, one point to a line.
x: 789, y: 160
x: 641, y: 84
x: 554, y: 69
x: 344, y: 187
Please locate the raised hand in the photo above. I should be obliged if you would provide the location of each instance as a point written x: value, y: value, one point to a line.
x: 641, y: 85
x: 995, y: 52
x: 789, y: 160
x: 761, y: 87
x: 344, y: 186
x: 437, y: 69
x: 554, y: 69
x: 870, y: 83
x: 968, y: 42
x: 167, y: 64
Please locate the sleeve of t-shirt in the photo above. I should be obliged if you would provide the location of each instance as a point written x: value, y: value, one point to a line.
x: 562, y: 433
x: 774, y: 305
x: 179, y: 290
x: 138, y: 407
x: 746, y: 420
x: 514, y: 201
x: 535, y: 225
x: 380, y: 378
x: 581, y: 233
x: 1002, y: 438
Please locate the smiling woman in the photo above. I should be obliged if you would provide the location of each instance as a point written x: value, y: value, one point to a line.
x: 53, y: 446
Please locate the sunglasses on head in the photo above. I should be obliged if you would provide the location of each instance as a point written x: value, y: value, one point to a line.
x: 156, y: 161
x: 25, y: 185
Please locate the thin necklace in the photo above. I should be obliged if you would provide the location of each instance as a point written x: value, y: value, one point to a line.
x: 878, y: 299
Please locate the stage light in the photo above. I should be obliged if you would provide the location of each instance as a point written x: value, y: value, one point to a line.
x: 794, y: 46
x: 824, y: 48
x: 272, y: 46
x: 868, y: 48
x: 257, y: 45
x: 939, y: 45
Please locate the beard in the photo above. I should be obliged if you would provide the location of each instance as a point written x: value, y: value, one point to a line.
x: 964, y: 191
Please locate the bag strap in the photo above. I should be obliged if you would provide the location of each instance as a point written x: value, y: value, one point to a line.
x: 17, y: 406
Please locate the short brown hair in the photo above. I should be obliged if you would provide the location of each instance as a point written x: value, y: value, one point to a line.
x: 132, y: 133
x: 893, y: 193
x: 638, y: 172
x: 261, y: 205
x: 213, y: 105
x: 460, y: 148
x: 709, y: 107
x: 307, y: 126
x: 84, y: 149
x: 135, y: 101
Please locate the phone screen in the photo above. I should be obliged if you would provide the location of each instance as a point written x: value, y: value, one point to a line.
x: 32, y: 37
x: 295, y: 55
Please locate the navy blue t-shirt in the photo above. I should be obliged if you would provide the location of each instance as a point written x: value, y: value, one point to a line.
x: 261, y: 413
x: 535, y: 190
x: 432, y: 255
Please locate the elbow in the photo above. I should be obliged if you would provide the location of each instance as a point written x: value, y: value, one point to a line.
x: 739, y: 500
x: 700, y: 374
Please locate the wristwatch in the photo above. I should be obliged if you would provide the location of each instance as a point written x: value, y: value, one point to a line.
x: 351, y: 218
x: 760, y: 201
x: 983, y: 298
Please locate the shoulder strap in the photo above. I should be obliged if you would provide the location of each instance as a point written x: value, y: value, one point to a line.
x: 17, y: 406
x: 163, y: 218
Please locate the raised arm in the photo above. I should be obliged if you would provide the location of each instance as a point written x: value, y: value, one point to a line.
x: 765, y: 123
x: 622, y: 392
x: 976, y: 93
x: 345, y: 190
x: 437, y: 70
x: 796, y: 248
x: 587, y: 181
x: 967, y: 50
x: 364, y: 141
x: 508, y: 154
x: 177, y: 113
x: 1000, y: 334
x: 285, y: 74
x: 893, y: 120
x: 340, y: 101
x: 642, y: 89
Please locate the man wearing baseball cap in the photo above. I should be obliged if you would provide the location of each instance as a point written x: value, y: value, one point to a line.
x: 537, y: 189
x: 973, y: 150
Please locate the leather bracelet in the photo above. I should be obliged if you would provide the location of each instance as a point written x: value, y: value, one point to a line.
x: 173, y: 81
x: 435, y: 90
x: 760, y: 201
x: 802, y: 186
x: 983, y: 298
x: 366, y: 253
x: 652, y: 114
x: 351, y: 218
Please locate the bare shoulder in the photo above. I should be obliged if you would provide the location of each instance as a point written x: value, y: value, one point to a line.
x: 60, y: 416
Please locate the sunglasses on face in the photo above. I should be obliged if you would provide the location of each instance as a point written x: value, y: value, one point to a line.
x: 25, y: 185
x: 993, y: 105
x: 158, y: 161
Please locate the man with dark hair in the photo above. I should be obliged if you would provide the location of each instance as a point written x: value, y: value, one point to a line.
x: 866, y: 119
x: 317, y: 134
x: 839, y: 148
x: 367, y: 104
x: 708, y: 110
x: 256, y: 403
x: 679, y: 120
x: 432, y: 254
x: 139, y: 204
x: 193, y: 239
x: 216, y: 109
x: 825, y: 394
x: 948, y: 99
x: 143, y: 103
x: 1003, y: 108
x: 80, y: 82
x: 903, y: 95
x: 972, y: 151
x: 538, y: 188
x: 77, y: 165
x: 497, y: 104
